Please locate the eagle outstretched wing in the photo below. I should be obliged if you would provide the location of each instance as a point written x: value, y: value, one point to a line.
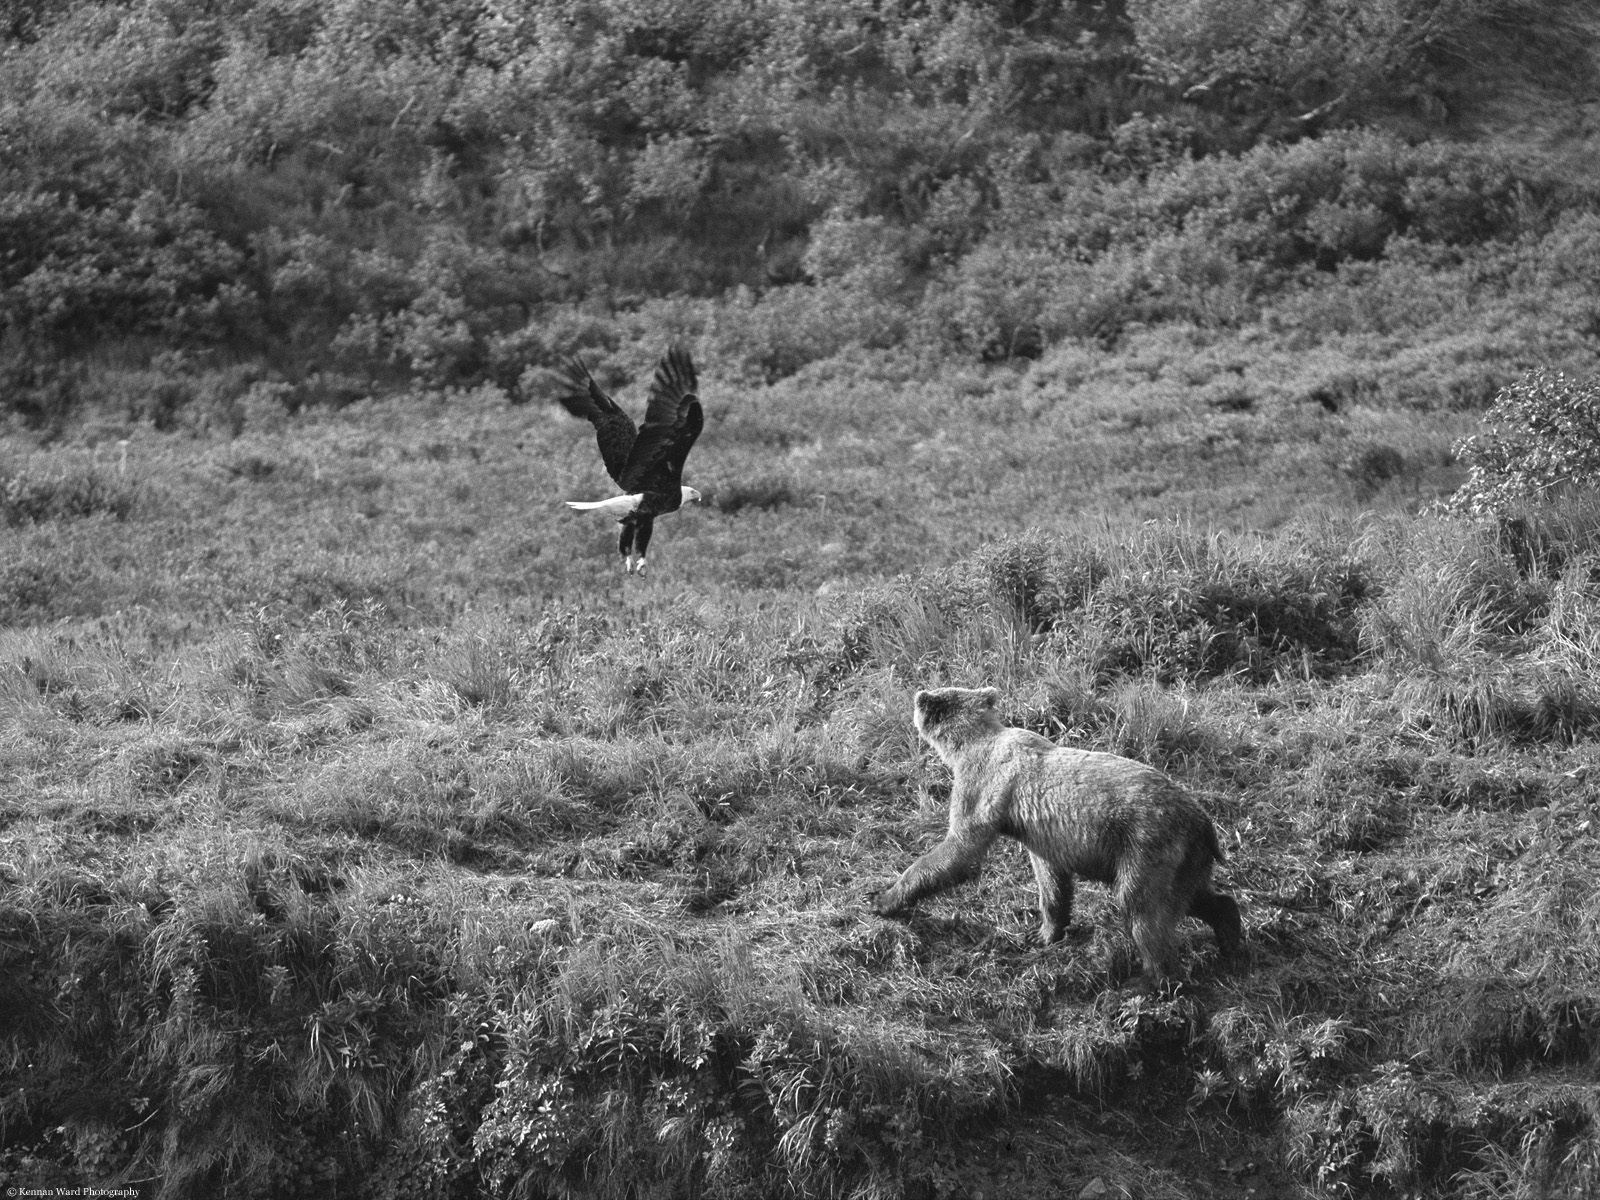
x: 613, y: 429
x: 672, y: 422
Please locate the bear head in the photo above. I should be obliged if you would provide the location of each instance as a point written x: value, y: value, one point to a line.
x: 952, y: 716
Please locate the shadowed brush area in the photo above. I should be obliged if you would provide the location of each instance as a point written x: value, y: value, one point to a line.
x: 563, y: 901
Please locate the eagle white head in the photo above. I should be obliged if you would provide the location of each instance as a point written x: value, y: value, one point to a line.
x: 690, y: 494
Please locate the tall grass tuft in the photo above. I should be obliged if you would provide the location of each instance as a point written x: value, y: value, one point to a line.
x: 1168, y: 602
x: 1466, y: 624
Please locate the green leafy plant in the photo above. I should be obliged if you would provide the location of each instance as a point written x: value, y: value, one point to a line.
x: 1541, y: 437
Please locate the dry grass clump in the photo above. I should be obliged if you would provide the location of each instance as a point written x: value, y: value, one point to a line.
x: 1266, y: 1058
x: 1522, y: 989
x: 93, y: 679
x: 1169, y: 602
x: 1486, y: 697
x: 1484, y: 642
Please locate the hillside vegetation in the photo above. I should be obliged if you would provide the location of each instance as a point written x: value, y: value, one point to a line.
x: 303, y: 202
x: 1217, y: 378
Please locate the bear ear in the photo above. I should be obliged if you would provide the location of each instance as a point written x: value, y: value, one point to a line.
x: 989, y: 696
x: 931, y: 705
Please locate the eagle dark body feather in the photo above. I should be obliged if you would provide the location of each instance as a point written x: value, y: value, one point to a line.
x: 646, y: 461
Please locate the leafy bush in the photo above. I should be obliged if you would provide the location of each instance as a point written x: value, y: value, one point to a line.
x: 136, y: 264
x: 1207, y: 241
x: 1295, y: 66
x: 1541, y: 436
x: 1006, y: 301
x: 789, y: 327
x: 402, y: 193
x: 149, y: 62
x: 26, y: 497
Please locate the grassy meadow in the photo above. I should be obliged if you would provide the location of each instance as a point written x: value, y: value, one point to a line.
x: 365, y: 833
x: 368, y: 833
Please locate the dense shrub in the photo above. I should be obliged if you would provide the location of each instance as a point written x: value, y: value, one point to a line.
x: 1541, y: 435
x: 149, y: 62
x: 1296, y: 66
x: 1209, y: 240
x: 27, y: 497
x: 400, y: 192
x: 789, y: 327
x: 74, y: 273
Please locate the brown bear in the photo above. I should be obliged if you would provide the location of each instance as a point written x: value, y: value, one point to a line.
x: 1078, y: 812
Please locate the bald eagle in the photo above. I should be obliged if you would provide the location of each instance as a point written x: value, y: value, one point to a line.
x: 647, y: 463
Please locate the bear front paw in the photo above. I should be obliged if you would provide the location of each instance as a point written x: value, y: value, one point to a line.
x: 884, y: 904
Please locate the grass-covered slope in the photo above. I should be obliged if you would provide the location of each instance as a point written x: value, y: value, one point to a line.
x: 515, y: 880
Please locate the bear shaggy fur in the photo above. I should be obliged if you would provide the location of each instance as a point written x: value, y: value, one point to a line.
x: 1078, y: 812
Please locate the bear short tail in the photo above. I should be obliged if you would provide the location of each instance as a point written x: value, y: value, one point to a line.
x: 1216, y: 844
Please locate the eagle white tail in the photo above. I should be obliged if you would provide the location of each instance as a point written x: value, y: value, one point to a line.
x: 617, y: 506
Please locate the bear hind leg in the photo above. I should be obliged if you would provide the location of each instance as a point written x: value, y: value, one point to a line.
x: 1221, y: 912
